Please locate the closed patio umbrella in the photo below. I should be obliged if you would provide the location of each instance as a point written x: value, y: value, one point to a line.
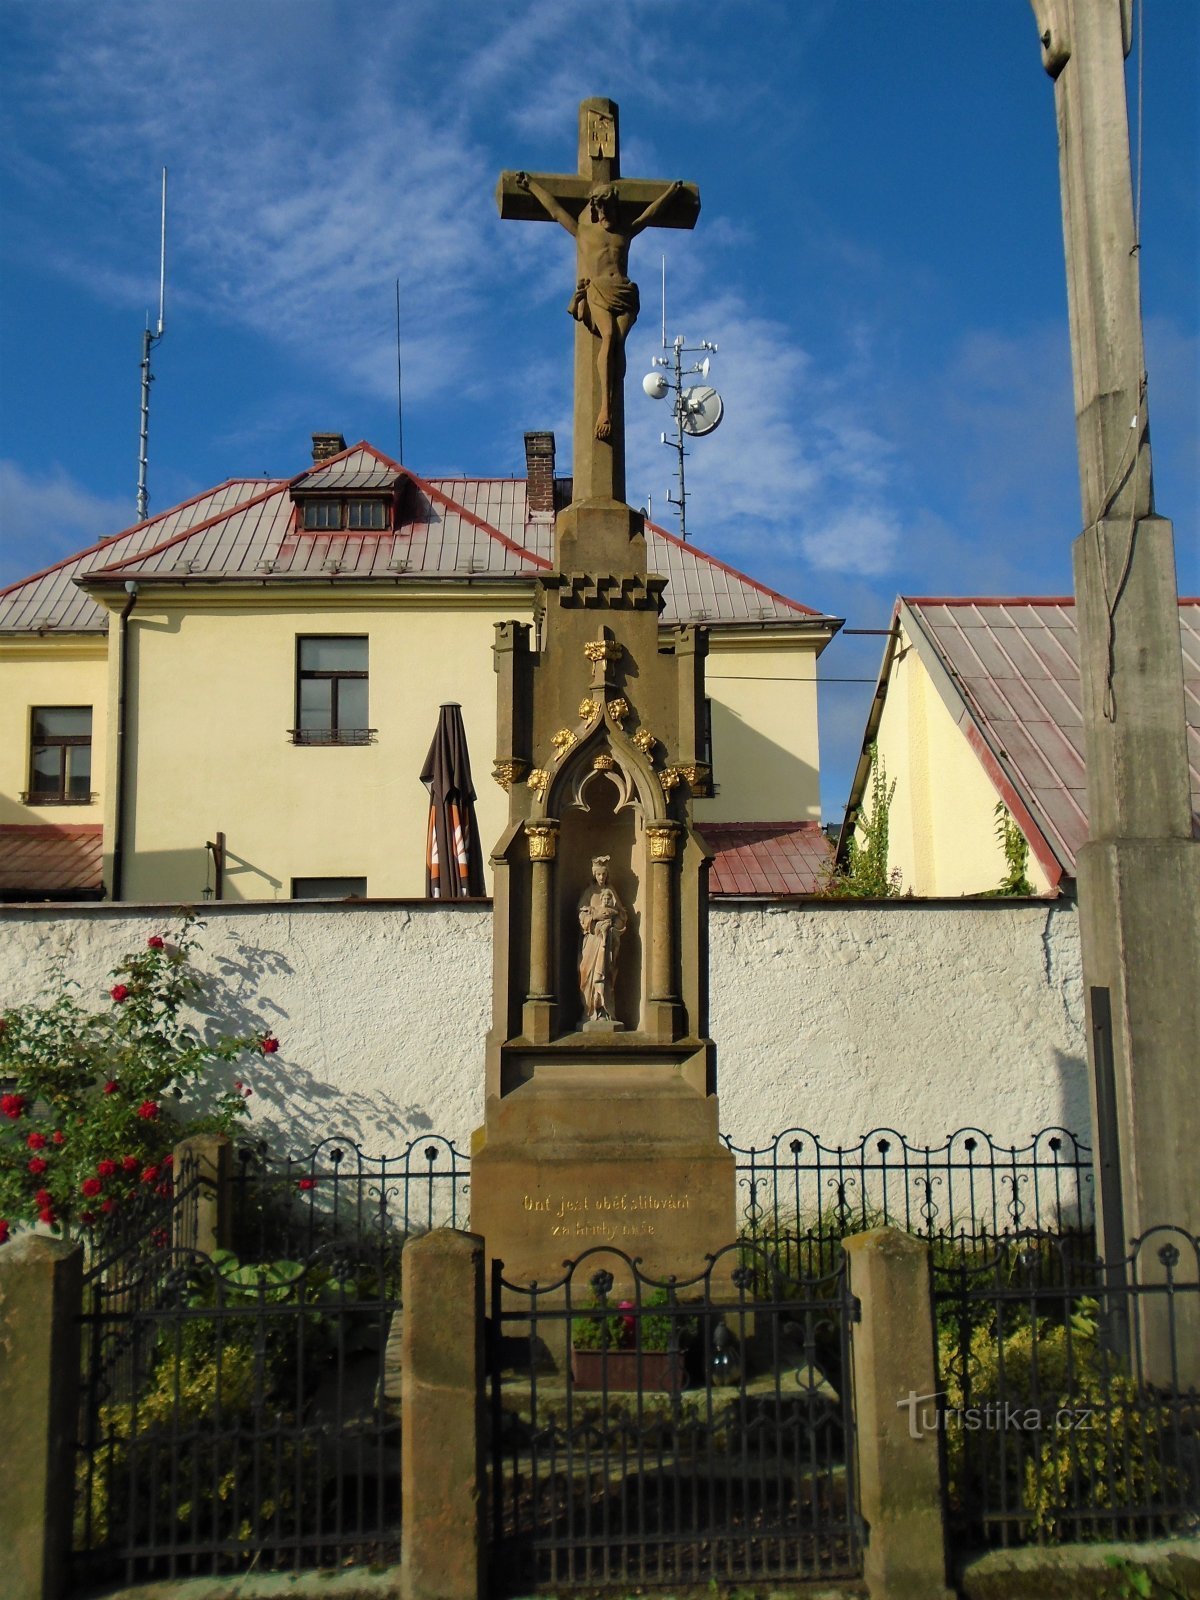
x: 453, y: 856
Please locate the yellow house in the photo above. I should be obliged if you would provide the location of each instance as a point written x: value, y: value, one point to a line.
x: 238, y: 695
x: 977, y: 705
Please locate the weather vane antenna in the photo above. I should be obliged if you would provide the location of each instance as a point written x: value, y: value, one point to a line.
x: 697, y: 409
x: 150, y: 338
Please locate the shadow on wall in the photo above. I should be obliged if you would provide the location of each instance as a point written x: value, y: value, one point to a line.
x: 293, y: 1107
x: 742, y: 755
x: 1074, y: 1090
x: 163, y: 876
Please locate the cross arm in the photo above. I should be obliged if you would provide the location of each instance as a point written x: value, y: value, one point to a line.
x: 571, y: 192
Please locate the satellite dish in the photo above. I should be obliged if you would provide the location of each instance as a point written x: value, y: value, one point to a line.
x: 655, y: 385
x: 700, y: 410
x: 702, y: 368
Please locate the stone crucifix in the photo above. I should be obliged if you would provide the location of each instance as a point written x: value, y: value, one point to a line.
x: 603, y: 212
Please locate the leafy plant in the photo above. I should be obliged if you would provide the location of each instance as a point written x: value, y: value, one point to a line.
x: 602, y: 1328
x: 1016, y: 856
x: 865, y: 875
x: 1099, y: 1443
x: 93, y: 1101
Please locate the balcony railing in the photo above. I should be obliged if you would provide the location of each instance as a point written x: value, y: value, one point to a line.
x: 332, y: 735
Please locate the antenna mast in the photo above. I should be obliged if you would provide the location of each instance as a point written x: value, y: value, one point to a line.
x: 697, y: 409
x: 149, y: 340
x: 399, y: 379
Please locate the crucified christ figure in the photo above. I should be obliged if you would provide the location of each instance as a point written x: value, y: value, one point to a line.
x: 605, y: 300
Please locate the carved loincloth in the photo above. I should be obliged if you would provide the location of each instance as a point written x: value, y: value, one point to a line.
x: 615, y: 295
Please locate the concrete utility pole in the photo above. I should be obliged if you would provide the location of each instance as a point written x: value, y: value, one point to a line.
x: 1139, y: 873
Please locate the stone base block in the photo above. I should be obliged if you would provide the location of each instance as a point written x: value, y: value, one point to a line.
x: 648, y: 1179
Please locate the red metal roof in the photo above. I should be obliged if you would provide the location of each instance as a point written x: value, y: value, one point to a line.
x: 41, y: 859
x: 452, y: 528
x: 768, y: 858
x: 1015, y: 664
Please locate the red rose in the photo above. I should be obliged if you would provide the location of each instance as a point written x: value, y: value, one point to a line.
x: 46, y: 1214
x: 119, y: 992
x: 164, y: 1189
x: 111, y: 1086
x: 36, y: 1141
x: 12, y: 1106
x: 307, y: 1183
x: 42, y: 1197
x: 148, y: 1110
x: 130, y: 1163
x: 106, y: 1168
x: 149, y: 1174
x: 87, y: 1218
x: 108, y: 1205
x: 38, y: 1165
x: 160, y: 1238
x: 3, y: 1230
x: 91, y: 1187
x: 269, y: 1045
x: 154, y: 942
x: 59, y: 1136
x: 168, y: 1161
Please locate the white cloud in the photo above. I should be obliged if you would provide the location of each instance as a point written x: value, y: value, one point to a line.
x: 44, y: 519
x: 858, y: 539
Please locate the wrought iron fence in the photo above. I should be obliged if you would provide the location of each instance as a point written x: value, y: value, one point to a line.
x: 647, y: 1432
x: 1068, y: 1405
x: 234, y: 1414
x: 283, y: 1205
x: 146, y: 1219
x: 804, y: 1196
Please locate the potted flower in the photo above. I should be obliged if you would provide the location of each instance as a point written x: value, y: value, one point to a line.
x: 608, y: 1353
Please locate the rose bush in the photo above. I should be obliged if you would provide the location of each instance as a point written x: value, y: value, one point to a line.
x: 102, y: 1096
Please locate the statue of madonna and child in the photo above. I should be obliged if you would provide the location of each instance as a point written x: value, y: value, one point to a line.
x: 602, y: 920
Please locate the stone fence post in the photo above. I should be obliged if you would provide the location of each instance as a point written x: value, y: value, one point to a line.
x: 441, y: 1411
x: 899, y: 1475
x: 204, y: 1221
x: 40, y: 1298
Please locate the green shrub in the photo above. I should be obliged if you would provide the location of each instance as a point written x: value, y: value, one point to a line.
x: 93, y: 1101
x: 1111, y: 1452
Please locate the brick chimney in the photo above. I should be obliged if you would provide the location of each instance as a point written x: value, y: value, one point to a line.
x: 326, y: 445
x: 539, y: 470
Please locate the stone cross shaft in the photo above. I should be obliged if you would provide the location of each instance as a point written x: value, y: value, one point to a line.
x: 604, y: 212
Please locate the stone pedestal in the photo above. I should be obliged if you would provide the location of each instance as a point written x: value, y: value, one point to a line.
x: 618, y: 1154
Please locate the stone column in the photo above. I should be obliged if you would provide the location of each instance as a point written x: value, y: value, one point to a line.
x: 203, y: 1169
x: 538, y: 1017
x: 895, y: 1384
x: 441, y: 1402
x: 40, y: 1297
x: 662, y: 839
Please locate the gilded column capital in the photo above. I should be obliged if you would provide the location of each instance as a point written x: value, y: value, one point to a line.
x: 543, y: 839
x: 663, y: 837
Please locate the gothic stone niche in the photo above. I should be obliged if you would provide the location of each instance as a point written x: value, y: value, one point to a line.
x: 599, y: 825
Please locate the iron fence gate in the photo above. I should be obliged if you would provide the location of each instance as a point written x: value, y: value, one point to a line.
x: 668, y: 1432
x: 242, y: 1410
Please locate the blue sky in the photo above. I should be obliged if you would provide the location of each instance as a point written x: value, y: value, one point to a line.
x: 879, y: 258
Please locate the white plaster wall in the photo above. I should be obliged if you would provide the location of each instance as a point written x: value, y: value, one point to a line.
x: 834, y: 1017
x: 923, y: 1017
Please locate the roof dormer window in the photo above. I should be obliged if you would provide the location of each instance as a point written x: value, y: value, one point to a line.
x: 362, y: 514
